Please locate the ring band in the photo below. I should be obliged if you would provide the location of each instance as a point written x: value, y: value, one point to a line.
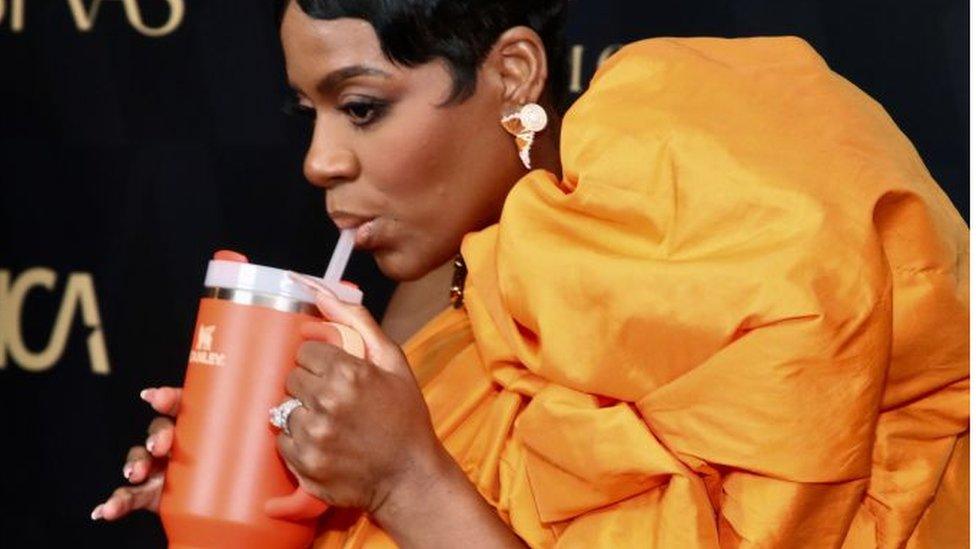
x: 280, y: 413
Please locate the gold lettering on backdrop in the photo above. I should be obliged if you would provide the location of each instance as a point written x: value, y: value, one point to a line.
x: 134, y: 15
x: 85, y: 17
x: 79, y: 291
x: 16, y: 14
x: 606, y: 53
x: 576, y: 64
x: 4, y: 285
x: 576, y: 69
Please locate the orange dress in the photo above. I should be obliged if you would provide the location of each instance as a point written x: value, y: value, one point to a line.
x: 740, y: 319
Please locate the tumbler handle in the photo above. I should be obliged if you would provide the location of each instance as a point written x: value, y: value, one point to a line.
x: 300, y: 505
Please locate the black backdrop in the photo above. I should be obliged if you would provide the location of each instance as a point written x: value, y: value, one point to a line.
x: 136, y: 141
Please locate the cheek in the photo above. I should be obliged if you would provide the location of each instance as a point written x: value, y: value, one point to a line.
x: 427, y: 159
x: 438, y: 171
x: 406, y: 160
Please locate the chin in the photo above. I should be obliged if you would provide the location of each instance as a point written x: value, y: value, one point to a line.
x: 400, y: 267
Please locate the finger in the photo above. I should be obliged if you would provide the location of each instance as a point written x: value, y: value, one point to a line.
x: 160, y: 437
x: 291, y: 451
x: 129, y: 498
x: 304, y: 425
x: 379, y: 348
x: 298, y: 505
x: 307, y: 387
x: 333, y: 333
x: 321, y: 359
x: 138, y: 463
x: 165, y: 400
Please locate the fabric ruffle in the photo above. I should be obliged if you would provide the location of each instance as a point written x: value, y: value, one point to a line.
x: 740, y: 319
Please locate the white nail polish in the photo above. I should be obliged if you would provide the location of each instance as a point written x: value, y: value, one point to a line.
x: 310, y: 281
x: 97, y: 513
x: 150, y: 444
x: 127, y: 471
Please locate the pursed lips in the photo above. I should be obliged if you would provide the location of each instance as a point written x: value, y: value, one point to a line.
x: 364, y: 226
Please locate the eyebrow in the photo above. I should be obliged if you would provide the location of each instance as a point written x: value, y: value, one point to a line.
x: 330, y: 81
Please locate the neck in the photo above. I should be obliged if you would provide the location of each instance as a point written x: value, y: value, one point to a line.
x: 545, y: 153
x: 414, y: 303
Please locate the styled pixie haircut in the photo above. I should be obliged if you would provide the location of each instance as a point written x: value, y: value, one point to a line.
x: 461, y: 32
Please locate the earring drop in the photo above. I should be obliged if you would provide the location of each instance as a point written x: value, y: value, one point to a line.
x: 524, y: 124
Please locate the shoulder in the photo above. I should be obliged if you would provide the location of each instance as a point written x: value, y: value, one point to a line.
x: 731, y: 53
x: 727, y: 127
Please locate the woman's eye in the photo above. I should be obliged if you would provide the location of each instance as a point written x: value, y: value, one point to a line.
x: 362, y: 113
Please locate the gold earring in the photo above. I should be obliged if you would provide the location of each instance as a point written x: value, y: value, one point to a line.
x: 524, y: 123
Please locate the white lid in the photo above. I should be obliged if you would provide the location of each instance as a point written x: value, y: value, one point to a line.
x: 238, y: 275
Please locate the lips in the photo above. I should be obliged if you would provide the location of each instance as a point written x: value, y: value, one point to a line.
x: 365, y: 226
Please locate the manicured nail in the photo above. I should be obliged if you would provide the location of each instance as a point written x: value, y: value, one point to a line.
x: 328, y: 292
x: 314, y: 283
x: 150, y: 444
x: 302, y: 279
x: 144, y: 394
x: 97, y: 513
x: 127, y: 471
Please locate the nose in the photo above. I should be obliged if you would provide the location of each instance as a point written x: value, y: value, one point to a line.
x: 328, y: 161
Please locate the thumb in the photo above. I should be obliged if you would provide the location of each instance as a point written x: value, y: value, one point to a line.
x: 380, y: 349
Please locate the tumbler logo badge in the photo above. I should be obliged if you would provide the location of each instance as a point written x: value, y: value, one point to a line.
x: 203, y: 352
x: 205, y: 338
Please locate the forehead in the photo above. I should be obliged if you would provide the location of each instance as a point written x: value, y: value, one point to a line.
x: 327, y: 44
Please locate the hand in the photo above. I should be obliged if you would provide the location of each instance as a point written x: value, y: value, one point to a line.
x: 145, y: 466
x: 364, y: 431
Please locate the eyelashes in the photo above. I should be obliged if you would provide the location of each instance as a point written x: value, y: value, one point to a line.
x: 361, y: 113
x: 292, y: 107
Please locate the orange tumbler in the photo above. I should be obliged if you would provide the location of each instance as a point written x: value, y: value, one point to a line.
x: 224, y: 465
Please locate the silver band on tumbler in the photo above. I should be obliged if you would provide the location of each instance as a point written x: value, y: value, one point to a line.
x: 246, y: 297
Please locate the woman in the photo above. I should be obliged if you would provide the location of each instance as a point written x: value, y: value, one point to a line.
x: 726, y: 307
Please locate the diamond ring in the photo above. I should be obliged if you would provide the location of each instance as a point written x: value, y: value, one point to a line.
x: 279, y: 414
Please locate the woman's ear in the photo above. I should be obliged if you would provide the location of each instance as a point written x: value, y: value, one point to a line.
x: 519, y: 62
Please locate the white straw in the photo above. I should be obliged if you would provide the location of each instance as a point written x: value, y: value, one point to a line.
x: 340, y: 257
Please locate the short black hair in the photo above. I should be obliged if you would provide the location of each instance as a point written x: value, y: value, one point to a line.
x: 462, y: 32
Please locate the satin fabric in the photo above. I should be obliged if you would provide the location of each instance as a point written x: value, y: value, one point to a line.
x: 739, y: 319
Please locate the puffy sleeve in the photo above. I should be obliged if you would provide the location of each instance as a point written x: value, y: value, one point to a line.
x: 738, y: 319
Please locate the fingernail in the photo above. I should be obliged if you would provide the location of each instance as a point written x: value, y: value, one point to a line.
x: 316, y: 284
x: 144, y: 394
x: 328, y: 291
x: 127, y: 471
x: 97, y: 513
x: 304, y: 279
x: 150, y: 444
